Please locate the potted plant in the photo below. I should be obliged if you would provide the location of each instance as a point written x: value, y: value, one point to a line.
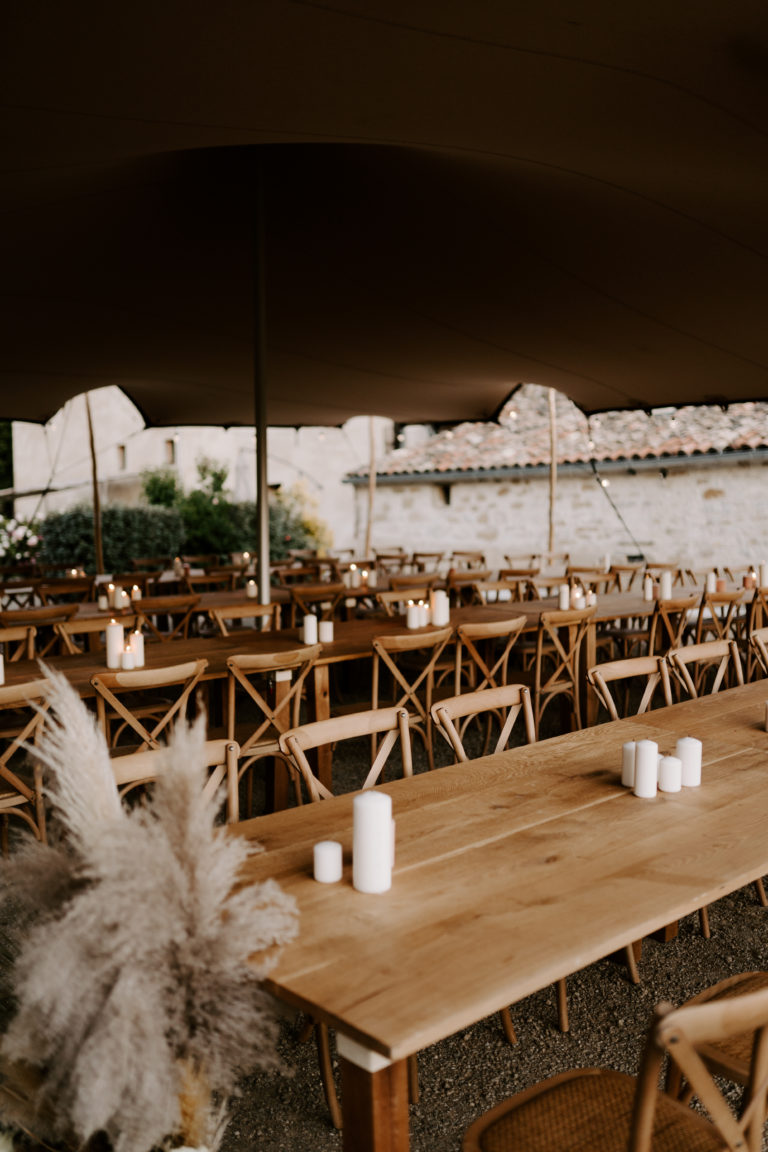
x: 138, y: 962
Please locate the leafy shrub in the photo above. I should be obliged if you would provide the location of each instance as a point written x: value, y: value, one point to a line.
x: 126, y: 533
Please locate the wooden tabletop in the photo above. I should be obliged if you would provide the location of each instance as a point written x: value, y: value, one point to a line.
x: 515, y: 870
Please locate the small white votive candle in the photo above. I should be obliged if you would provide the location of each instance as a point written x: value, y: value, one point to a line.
x: 689, y: 754
x: 372, y: 842
x: 326, y: 857
x: 125, y: 600
x: 137, y: 647
x: 628, y: 764
x: 103, y: 602
x: 127, y: 660
x: 325, y: 631
x: 309, y: 629
x: 135, y: 592
x: 646, y: 768
x: 670, y: 774
x: 250, y: 589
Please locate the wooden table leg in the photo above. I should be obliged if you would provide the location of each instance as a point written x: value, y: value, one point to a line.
x: 589, y: 704
x: 323, y: 712
x: 374, y: 1107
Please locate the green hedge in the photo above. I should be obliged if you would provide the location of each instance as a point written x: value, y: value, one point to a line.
x: 126, y: 533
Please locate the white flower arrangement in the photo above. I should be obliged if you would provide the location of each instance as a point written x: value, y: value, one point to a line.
x: 19, y: 542
x: 139, y: 964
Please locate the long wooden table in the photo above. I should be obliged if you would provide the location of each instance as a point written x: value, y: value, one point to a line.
x: 512, y: 872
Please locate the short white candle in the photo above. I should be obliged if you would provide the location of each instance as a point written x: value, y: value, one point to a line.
x: 591, y: 598
x: 127, y: 660
x: 137, y: 645
x: 103, y: 602
x: 628, y: 764
x: 251, y: 590
x: 670, y: 774
x: 356, y: 578
x: 646, y: 768
x: 689, y: 752
x: 309, y: 629
x: 135, y: 592
x: 372, y: 842
x: 325, y: 631
x: 115, y: 644
x: 413, y: 616
x: 423, y: 614
x: 327, y: 862
x: 125, y: 600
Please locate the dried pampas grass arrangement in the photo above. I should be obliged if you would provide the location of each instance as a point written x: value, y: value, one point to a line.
x: 136, y: 995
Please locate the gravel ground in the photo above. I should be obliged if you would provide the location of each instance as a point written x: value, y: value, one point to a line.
x: 467, y: 1073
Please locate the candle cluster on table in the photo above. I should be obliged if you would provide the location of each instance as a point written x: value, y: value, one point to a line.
x: 645, y: 770
x: 122, y: 653
x: 417, y: 614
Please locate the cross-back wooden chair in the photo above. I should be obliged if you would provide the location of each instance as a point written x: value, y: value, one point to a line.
x: 652, y: 670
x: 167, y: 617
x: 66, y: 590
x: 552, y: 563
x: 391, y: 723
x: 43, y: 619
x: 87, y: 633
x: 669, y: 620
x: 467, y: 558
x: 389, y: 563
x: 519, y: 577
x: 423, y: 561
x: 541, y: 586
x: 274, y: 683
x: 483, y: 652
x: 758, y: 643
x: 321, y: 600
x: 22, y: 717
x: 676, y: 571
x: 267, y: 614
x: 719, y: 616
x: 414, y: 580
x: 460, y: 584
x: 556, y: 673
x: 18, y: 593
x: 290, y: 574
x: 590, y: 1108
x: 498, y: 591
x: 394, y: 602
x: 718, y: 656
x: 757, y: 619
x: 139, y: 701
x: 508, y: 701
x: 209, y: 582
x: 18, y: 643
x: 626, y: 576
x: 413, y: 677
x: 140, y: 768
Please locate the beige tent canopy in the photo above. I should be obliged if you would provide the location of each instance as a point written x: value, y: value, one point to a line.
x: 457, y: 197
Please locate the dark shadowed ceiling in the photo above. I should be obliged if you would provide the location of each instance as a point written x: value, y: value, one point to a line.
x: 458, y: 196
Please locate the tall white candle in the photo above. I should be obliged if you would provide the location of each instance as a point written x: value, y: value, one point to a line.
x: 355, y: 577
x: 628, y: 764
x: 413, y: 616
x: 127, y: 659
x: 665, y: 591
x: 250, y: 589
x: 711, y: 581
x: 137, y: 644
x: 372, y: 842
x: 648, y: 587
x: 564, y: 598
x: 327, y: 861
x: 689, y: 753
x: 114, y: 632
x: 2, y: 669
x: 117, y: 596
x: 646, y: 768
x: 309, y: 629
x: 670, y: 774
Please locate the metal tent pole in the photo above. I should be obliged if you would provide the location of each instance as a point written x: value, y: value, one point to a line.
x: 260, y: 390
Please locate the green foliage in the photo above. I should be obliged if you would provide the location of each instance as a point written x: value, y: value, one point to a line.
x: 160, y: 487
x: 126, y: 533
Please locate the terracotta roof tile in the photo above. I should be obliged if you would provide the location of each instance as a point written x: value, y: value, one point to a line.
x: 521, y: 437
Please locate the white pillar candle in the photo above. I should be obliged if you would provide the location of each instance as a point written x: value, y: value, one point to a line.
x: 309, y: 629
x: 127, y: 659
x: 125, y: 600
x: 325, y: 630
x: 103, y: 601
x: 251, y: 590
x: 646, y: 768
x: 355, y: 577
x: 364, y: 577
x: 137, y: 644
x: 412, y: 616
x: 665, y: 591
x: 579, y: 601
x: 2, y: 669
x: 648, y: 587
x: 564, y: 598
x: 326, y: 856
x: 372, y: 842
x: 423, y: 614
x: 591, y: 598
x: 135, y: 592
x: 689, y: 754
x: 764, y: 575
x: 114, y: 632
x: 670, y: 774
x: 711, y: 581
x: 628, y: 764
x: 111, y: 595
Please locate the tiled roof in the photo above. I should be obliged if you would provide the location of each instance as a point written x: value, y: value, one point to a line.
x: 521, y: 439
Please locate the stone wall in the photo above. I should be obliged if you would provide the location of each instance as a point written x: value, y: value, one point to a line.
x: 698, y: 516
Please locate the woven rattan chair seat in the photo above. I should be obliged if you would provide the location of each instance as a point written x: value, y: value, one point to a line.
x: 593, y: 1111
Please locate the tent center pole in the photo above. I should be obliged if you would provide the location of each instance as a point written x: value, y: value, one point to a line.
x: 260, y: 391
